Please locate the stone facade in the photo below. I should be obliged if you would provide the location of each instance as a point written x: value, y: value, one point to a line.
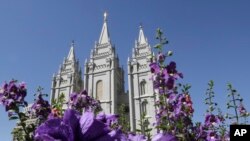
x: 104, y: 78
x: 141, y: 94
x: 68, y: 79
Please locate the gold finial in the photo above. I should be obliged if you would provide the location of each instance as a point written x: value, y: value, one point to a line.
x: 105, y: 16
x: 140, y: 26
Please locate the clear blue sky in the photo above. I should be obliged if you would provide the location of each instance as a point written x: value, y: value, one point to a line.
x: 210, y: 40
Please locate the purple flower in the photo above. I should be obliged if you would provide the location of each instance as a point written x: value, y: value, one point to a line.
x: 82, y: 102
x: 44, y: 137
x: 79, y: 100
x: 96, y: 129
x: 114, y: 135
x: 54, y: 129
x: 73, y: 127
x: 212, y: 136
x: 57, y: 128
x: 184, y: 105
x: 211, y: 120
x: 71, y: 118
x: 171, y: 68
x: 41, y: 107
x: 92, y: 128
x: 155, y: 68
x: 164, y: 137
x: 136, y: 137
x: 171, y: 97
x: 200, y: 132
x: 108, y: 119
x: 170, y: 83
x: 161, y: 57
x: 242, y: 110
x: 12, y: 96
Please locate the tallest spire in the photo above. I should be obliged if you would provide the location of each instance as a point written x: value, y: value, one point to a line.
x: 104, y: 37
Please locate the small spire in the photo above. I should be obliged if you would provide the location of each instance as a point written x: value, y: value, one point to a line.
x: 104, y: 37
x: 60, y: 69
x: 91, y: 53
x: 133, y: 52
x: 71, y: 55
x: 141, y: 38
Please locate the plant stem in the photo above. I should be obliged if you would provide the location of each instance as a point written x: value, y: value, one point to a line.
x: 235, y: 108
x: 27, y: 137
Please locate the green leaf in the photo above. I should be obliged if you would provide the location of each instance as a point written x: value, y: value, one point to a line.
x: 157, y: 46
x: 30, y: 128
x: 138, y: 130
x: 148, y: 130
x: 13, y: 118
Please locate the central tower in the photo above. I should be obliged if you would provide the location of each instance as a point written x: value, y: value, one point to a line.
x: 103, y: 77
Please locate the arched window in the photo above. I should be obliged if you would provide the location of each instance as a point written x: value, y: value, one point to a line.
x: 143, y: 87
x: 99, y: 90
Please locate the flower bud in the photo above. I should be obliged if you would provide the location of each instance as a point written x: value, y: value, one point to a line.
x: 170, y: 53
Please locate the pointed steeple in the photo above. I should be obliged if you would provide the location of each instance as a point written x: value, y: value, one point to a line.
x: 141, y: 38
x: 104, y: 37
x: 71, y: 55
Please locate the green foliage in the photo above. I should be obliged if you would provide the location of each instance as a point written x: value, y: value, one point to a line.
x: 220, y: 127
x: 210, y: 95
x: 185, y: 88
x: 123, y: 118
x: 144, y: 126
x: 18, y: 134
x: 236, y: 104
x: 58, y: 104
x: 162, y: 40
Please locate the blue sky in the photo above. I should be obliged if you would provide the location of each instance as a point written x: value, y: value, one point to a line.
x: 210, y: 40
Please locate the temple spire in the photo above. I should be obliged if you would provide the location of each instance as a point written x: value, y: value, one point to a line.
x: 104, y: 37
x: 141, y: 38
x: 71, y: 55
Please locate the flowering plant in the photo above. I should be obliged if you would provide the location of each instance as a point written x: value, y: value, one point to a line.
x: 12, y: 96
x: 174, y: 112
x: 236, y: 103
x: 214, y: 125
x: 82, y: 119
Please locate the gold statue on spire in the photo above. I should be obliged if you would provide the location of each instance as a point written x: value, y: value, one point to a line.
x: 105, y: 16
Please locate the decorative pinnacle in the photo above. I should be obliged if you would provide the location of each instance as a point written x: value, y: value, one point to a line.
x: 105, y: 16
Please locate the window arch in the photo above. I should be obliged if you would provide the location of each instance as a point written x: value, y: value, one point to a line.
x: 143, y: 87
x: 99, y: 90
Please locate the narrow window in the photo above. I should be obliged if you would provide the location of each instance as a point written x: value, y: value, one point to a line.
x: 144, y: 107
x: 99, y: 90
x: 143, y: 87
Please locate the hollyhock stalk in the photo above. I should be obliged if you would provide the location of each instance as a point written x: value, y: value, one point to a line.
x: 12, y: 96
x: 236, y: 103
x: 174, y: 110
